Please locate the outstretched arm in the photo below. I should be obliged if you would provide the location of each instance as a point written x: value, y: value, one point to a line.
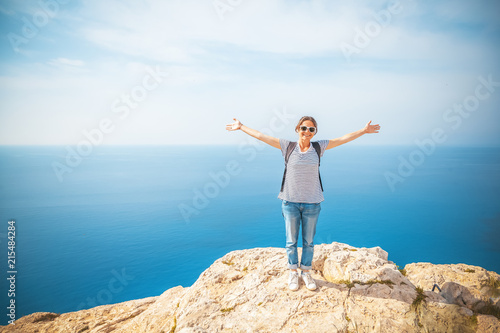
x: 237, y: 125
x: 354, y: 135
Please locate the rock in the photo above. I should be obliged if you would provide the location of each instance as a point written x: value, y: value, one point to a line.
x: 480, y: 282
x: 359, y: 290
x: 457, y: 294
x: 464, y: 285
x: 488, y: 324
x: 104, y: 318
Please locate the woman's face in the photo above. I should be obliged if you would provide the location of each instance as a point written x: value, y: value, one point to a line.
x: 306, y: 135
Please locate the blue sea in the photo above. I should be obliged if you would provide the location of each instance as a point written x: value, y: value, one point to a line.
x: 128, y: 222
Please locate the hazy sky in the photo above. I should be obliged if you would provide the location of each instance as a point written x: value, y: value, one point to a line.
x: 164, y: 72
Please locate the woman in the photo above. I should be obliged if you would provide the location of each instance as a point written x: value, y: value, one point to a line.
x: 301, y: 192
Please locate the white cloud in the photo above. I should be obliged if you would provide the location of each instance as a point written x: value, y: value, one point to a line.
x: 175, y: 31
x: 263, y: 55
x: 67, y: 62
x: 187, y: 32
x: 7, y: 12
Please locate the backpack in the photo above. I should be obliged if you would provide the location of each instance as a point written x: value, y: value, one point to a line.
x: 289, y: 150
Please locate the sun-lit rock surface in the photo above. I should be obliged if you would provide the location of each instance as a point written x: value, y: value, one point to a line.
x: 359, y: 290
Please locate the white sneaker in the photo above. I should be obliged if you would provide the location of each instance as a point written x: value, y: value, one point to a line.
x: 309, y: 281
x: 293, y: 281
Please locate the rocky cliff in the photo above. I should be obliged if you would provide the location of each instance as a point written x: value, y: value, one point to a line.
x: 359, y: 290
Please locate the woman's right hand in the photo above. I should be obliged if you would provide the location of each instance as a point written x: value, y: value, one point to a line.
x: 256, y: 134
x: 234, y: 126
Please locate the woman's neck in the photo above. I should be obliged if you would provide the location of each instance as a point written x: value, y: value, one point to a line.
x: 304, y: 144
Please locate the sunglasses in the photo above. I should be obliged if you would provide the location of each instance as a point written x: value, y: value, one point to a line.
x: 305, y: 128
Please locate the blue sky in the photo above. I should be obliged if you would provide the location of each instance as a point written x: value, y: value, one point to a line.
x: 68, y: 66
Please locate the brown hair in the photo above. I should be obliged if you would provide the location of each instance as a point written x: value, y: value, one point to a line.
x: 305, y: 118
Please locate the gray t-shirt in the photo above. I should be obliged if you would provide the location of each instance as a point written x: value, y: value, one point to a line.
x: 302, y: 175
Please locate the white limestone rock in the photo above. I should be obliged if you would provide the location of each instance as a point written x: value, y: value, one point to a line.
x: 359, y: 290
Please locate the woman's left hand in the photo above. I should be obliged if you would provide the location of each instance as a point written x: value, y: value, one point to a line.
x: 371, y: 128
x: 234, y: 126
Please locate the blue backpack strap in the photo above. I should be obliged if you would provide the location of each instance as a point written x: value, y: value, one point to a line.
x: 318, y: 151
x: 289, y: 150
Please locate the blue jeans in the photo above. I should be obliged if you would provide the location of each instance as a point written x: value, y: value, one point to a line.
x: 295, y: 213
